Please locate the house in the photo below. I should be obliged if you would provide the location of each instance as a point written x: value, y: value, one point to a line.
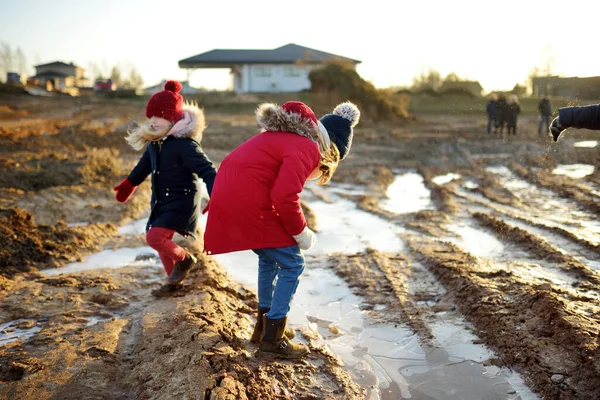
x: 60, y: 75
x: 572, y: 87
x: 284, y: 69
x: 472, y: 88
x: 185, y: 88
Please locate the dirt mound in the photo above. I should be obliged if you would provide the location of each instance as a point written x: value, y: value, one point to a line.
x: 24, y: 245
x: 338, y: 82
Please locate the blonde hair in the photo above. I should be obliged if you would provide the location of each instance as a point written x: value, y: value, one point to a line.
x: 330, y: 155
x: 141, y: 135
x: 514, y: 99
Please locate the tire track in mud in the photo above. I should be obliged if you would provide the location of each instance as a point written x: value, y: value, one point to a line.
x: 532, y: 330
x: 382, y: 279
x: 519, y: 215
x: 537, y: 246
x: 563, y: 187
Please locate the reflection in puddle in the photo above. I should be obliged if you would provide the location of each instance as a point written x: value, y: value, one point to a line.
x: 107, y: 259
x: 137, y: 227
x: 586, y: 143
x: 388, y: 360
x: 575, y: 171
x: 443, y: 179
x: 407, y: 194
x: 17, y: 329
x: 476, y: 241
x: 547, y: 208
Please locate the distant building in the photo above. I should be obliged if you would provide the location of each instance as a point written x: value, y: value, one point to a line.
x: 60, y: 75
x: 284, y: 69
x: 473, y: 88
x: 573, y: 87
x: 14, y: 77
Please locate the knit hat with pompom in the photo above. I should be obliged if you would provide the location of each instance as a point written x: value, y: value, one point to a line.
x: 339, y: 126
x: 167, y: 104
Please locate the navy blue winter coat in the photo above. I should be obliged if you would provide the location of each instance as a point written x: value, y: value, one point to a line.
x: 176, y: 163
x: 580, y: 117
x: 491, y: 108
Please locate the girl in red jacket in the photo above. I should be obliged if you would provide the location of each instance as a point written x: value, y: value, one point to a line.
x: 174, y: 158
x: 255, y: 204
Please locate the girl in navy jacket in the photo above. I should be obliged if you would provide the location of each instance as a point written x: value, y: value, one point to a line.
x: 175, y: 160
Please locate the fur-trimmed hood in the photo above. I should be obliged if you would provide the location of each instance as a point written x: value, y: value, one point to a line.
x: 192, y: 124
x: 273, y: 118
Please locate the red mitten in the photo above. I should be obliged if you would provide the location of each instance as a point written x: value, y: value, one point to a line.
x: 124, y: 190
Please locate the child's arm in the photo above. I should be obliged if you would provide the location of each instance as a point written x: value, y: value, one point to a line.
x: 126, y: 188
x: 141, y: 171
x: 285, y: 194
x: 580, y: 117
x: 195, y: 159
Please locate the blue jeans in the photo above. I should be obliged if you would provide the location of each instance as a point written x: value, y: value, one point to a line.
x: 286, y: 264
x: 544, y: 124
x: 491, y: 123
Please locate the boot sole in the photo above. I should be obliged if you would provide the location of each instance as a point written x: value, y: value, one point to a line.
x: 281, y: 355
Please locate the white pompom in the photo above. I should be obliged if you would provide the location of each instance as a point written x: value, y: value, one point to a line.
x: 348, y: 111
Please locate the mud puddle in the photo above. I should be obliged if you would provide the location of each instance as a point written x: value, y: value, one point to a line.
x: 575, y: 171
x: 541, y: 206
x: 500, y: 257
x: 388, y: 360
x: 18, y: 329
x: 408, y: 194
x: 590, y: 144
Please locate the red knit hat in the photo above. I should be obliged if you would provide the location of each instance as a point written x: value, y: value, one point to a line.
x: 298, y: 107
x: 167, y: 104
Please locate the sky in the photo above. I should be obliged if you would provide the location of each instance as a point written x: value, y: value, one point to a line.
x: 497, y: 43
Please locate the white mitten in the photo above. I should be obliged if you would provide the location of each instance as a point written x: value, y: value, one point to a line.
x: 306, y: 239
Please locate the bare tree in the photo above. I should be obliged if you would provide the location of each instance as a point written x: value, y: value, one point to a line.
x: 547, y: 61
x: 21, y: 61
x: 135, y: 79
x: 431, y: 80
x: 116, y: 76
x: 6, y: 60
x: 452, y: 77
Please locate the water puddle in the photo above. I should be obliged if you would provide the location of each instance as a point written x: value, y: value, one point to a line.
x: 476, y: 241
x: 407, y: 194
x: 547, y: 208
x: 108, y: 259
x: 586, y: 143
x: 386, y: 359
x: 486, y: 246
x: 18, y: 329
x: 575, y: 171
x: 345, y: 188
x: 443, y: 179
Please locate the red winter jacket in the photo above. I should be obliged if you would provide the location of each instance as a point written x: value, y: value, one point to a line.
x: 255, y: 199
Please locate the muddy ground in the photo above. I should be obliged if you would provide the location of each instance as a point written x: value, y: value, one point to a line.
x: 100, y: 334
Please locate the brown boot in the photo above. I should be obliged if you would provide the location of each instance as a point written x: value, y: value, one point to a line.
x: 274, y: 341
x: 289, y: 332
x: 166, y: 290
x: 181, y: 269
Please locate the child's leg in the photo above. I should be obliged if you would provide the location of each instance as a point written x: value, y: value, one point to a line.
x: 167, y: 263
x: 161, y: 240
x: 267, y: 272
x: 291, y: 265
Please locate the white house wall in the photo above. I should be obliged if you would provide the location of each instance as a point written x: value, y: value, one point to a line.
x: 269, y: 78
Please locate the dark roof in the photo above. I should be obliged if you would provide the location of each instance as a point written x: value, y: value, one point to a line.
x: 57, y: 64
x: 288, y: 54
x: 50, y: 74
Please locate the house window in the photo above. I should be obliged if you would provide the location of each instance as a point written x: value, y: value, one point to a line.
x: 262, y: 71
x: 291, y: 71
